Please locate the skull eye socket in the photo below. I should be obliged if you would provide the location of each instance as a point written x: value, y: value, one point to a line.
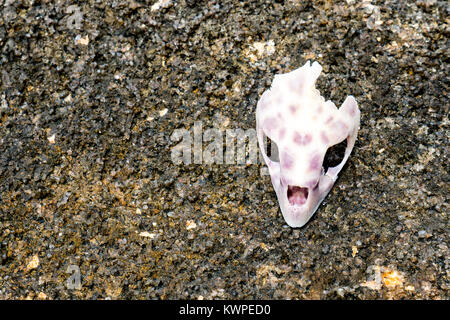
x: 271, y: 149
x: 334, y: 156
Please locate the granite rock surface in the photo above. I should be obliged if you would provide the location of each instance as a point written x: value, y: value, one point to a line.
x: 93, y: 207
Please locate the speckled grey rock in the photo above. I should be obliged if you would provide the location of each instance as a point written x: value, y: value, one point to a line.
x: 90, y: 95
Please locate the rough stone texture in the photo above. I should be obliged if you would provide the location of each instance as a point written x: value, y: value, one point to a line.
x: 86, y: 177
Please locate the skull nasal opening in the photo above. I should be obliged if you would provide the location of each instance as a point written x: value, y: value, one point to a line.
x: 297, y: 195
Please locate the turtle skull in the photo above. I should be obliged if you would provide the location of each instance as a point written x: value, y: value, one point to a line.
x: 294, y: 116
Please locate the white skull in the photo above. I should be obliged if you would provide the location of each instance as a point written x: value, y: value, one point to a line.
x: 294, y: 115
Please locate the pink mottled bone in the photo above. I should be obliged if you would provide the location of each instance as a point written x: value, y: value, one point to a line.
x: 309, y: 126
x: 302, y: 139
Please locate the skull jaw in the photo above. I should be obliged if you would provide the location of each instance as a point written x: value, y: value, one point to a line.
x: 297, y: 216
